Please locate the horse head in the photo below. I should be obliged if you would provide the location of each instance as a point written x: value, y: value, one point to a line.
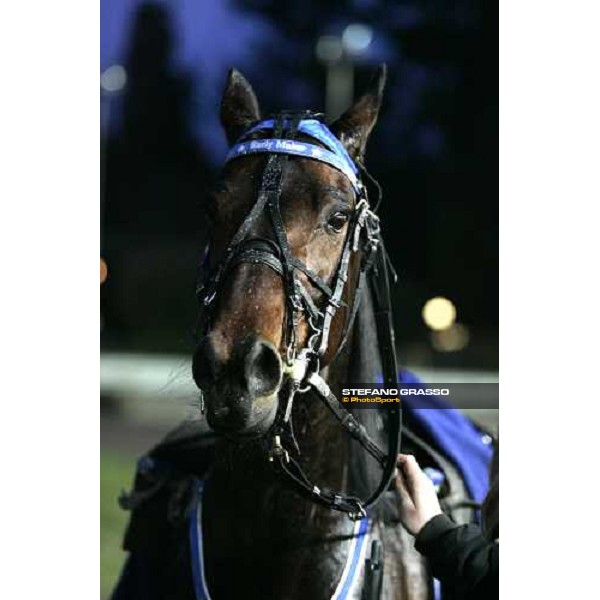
x: 241, y: 362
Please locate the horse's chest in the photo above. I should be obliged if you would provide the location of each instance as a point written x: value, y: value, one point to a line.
x: 267, y: 558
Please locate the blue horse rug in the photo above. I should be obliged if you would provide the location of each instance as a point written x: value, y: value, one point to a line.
x: 453, y: 435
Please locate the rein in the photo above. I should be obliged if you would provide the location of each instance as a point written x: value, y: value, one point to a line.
x: 302, y: 365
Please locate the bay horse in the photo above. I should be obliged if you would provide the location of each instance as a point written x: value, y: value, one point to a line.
x: 287, y: 316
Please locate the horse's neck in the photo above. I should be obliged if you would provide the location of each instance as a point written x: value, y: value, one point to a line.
x: 365, y: 360
x: 267, y: 522
x: 265, y: 541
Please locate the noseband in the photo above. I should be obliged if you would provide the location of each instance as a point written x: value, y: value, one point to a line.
x: 302, y: 365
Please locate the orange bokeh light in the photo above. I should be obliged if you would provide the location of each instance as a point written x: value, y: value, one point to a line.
x: 103, y: 271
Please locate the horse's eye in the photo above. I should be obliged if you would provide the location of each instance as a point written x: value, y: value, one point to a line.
x: 337, y: 221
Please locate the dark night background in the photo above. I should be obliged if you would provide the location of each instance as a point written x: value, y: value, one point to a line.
x: 434, y: 151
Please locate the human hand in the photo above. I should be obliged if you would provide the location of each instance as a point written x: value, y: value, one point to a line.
x: 418, y: 498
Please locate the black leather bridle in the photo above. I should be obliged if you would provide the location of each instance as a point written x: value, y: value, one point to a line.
x: 302, y: 365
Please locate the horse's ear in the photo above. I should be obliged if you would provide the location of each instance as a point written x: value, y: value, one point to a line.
x: 239, y: 106
x: 355, y: 125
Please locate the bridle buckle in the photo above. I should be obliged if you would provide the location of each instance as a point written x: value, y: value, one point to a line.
x: 360, y: 513
x: 368, y: 221
x: 208, y: 299
x: 278, y: 451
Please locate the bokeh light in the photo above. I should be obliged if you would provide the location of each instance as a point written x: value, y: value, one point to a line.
x: 453, y: 339
x: 357, y: 38
x: 439, y: 313
x: 113, y: 79
x: 103, y: 271
x: 329, y: 48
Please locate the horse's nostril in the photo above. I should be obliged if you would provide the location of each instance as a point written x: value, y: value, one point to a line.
x: 204, y: 363
x: 262, y: 368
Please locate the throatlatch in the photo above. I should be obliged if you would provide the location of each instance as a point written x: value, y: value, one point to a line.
x: 303, y: 364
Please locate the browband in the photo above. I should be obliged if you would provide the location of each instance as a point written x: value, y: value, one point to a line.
x: 333, y: 154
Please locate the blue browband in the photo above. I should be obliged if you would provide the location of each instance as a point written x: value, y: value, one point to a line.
x: 333, y: 154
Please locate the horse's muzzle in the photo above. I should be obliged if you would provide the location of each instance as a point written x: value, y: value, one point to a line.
x: 240, y: 389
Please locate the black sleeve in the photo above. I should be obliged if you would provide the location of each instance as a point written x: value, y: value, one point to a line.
x: 461, y: 558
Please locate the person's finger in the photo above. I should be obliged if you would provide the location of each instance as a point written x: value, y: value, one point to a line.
x: 411, y: 469
x: 405, y: 495
x: 406, y: 459
x: 403, y: 460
